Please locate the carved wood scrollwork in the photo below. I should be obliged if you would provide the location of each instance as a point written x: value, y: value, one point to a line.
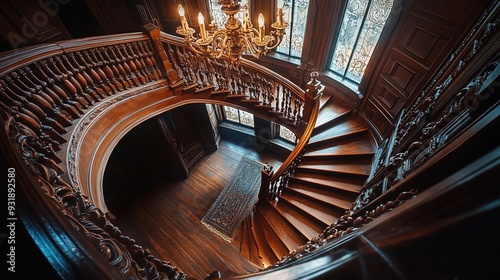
x: 42, y: 99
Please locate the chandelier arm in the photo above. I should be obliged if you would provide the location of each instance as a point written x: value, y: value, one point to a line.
x: 194, y: 48
x: 254, y: 49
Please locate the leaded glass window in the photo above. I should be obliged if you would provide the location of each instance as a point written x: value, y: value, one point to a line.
x: 218, y: 15
x: 360, y: 30
x: 295, y: 13
x: 238, y: 116
x: 287, y: 134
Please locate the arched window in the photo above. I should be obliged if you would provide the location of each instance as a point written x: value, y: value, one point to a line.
x: 360, y: 30
x: 295, y: 13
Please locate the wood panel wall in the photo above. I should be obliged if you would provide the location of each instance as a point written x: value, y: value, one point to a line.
x: 425, y: 34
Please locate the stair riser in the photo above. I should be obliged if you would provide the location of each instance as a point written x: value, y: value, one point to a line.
x: 325, y: 142
x: 334, y: 173
x: 353, y: 193
x: 335, y: 208
x: 310, y: 216
x: 340, y: 118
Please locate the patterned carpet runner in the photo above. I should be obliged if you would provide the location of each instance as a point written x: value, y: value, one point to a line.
x: 236, y: 199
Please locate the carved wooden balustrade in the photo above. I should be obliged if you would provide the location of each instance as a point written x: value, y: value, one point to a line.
x: 268, y: 94
x: 44, y: 92
x: 65, y: 105
x: 245, y: 84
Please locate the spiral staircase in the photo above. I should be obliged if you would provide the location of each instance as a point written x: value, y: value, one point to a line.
x: 333, y: 169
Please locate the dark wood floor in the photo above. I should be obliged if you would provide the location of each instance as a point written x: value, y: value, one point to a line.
x: 165, y: 218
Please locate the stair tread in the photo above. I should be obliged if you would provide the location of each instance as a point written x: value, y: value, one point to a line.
x: 333, y: 183
x: 349, y: 127
x: 342, y: 147
x: 307, y: 227
x: 341, y: 201
x: 330, y: 111
x: 266, y: 254
x: 279, y: 249
x: 319, y: 211
x: 290, y: 237
x: 346, y: 168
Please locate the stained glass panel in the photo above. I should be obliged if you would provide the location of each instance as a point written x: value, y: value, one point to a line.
x: 231, y: 114
x: 287, y: 134
x: 246, y: 118
x: 238, y: 116
x: 295, y: 13
x: 361, y: 27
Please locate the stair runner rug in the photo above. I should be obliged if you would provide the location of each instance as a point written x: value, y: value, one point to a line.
x: 236, y: 199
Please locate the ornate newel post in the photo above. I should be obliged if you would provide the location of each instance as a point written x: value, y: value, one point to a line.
x: 267, y: 172
x: 169, y: 72
x: 314, y: 89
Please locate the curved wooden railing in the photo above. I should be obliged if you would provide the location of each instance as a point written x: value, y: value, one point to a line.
x: 274, y: 96
x: 65, y: 105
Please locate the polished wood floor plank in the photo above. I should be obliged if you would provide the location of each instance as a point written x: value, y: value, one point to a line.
x: 166, y: 217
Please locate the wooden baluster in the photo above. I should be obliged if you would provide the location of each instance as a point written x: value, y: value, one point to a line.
x: 151, y: 56
x: 95, y: 73
x: 50, y: 96
x: 110, y: 74
x: 70, y: 82
x: 122, y: 50
x: 119, y: 72
x: 127, y: 72
x: 127, y: 48
x: 24, y: 113
x: 77, y: 80
x: 84, y: 67
x: 128, y: 65
x: 174, y: 61
x: 92, y: 58
x: 134, y: 49
x: 122, y: 74
x: 14, y: 101
x: 272, y: 93
x: 183, y: 62
x: 44, y: 102
x: 62, y: 79
x: 149, y: 59
x: 75, y: 108
x: 71, y: 61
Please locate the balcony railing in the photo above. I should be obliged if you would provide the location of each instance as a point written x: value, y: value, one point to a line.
x: 65, y: 105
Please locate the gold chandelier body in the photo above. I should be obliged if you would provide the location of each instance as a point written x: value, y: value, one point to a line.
x: 236, y: 38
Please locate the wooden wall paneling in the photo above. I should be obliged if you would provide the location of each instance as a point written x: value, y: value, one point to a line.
x: 115, y: 16
x: 30, y: 22
x: 425, y: 37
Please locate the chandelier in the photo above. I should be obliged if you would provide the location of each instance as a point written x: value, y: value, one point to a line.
x: 237, y: 38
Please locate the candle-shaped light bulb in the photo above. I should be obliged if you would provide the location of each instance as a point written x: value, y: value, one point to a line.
x: 184, y: 24
x: 181, y: 10
x: 279, y: 16
x: 261, y: 20
x: 201, y: 21
x: 261, y: 26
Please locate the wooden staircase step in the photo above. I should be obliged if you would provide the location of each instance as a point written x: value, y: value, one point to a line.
x: 341, y: 202
x: 279, y: 249
x: 266, y: 254
x: 309, y: 228
x: 368, y: 156
x: 324, y: 214
x: 342, y: 130
x: 253, y: 253
x: 331, y: 183
x: 342, y: 148
x: 329, y: 116
x: 290, y: 237
x: 360, y: 170
x: 324, y: 99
